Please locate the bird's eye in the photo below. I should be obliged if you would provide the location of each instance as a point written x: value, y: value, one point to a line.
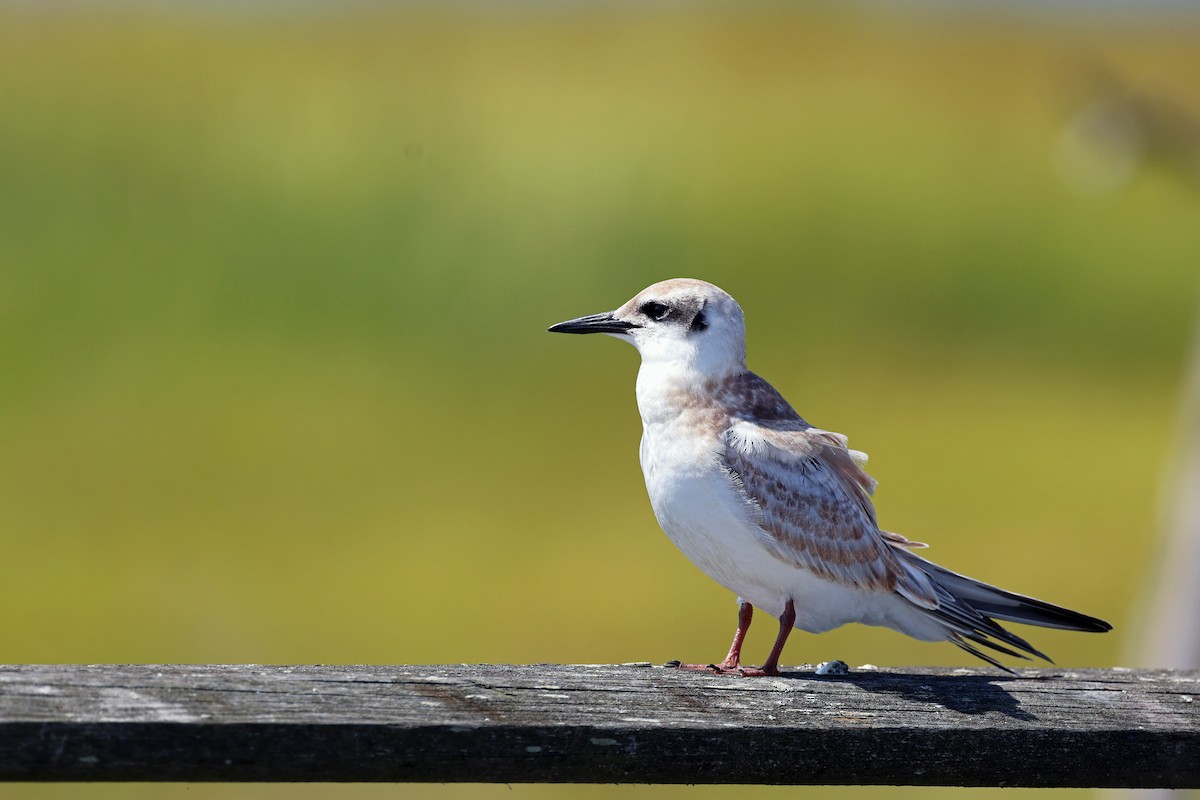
x: 655, y: 311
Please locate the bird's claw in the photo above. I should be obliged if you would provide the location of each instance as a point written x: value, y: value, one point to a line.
x: 722, y: 669
x: 754, y: 672
x: 719, y: 669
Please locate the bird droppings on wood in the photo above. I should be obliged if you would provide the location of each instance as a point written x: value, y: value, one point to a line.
x: 836, y: 667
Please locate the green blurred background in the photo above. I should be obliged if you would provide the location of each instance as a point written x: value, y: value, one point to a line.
x: 274, y: 382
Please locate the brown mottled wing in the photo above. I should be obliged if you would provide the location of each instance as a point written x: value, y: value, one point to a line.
x: 814, y: 508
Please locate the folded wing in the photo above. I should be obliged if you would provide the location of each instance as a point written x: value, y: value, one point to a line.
x: 814, y: 506
x: 812, y: 500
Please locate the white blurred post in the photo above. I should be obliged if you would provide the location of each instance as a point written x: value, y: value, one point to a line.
x: 1168, y: 627
x: 1171, y: 623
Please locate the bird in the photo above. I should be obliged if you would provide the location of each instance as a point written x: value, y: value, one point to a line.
x: 779, y: 511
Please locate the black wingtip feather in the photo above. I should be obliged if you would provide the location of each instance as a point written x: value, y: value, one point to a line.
x: 980, y: 654
x: 969, y: 608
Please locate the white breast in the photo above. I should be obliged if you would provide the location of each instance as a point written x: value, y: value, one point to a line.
x: 702, y: 513
x: 705, y: 516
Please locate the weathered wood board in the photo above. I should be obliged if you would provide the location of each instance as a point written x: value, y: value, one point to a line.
x: 598, y: 723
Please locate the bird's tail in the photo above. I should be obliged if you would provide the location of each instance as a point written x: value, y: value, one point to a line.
x: 969, y: 609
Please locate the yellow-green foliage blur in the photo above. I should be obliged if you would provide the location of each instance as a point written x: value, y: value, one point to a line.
x: 274, y: 381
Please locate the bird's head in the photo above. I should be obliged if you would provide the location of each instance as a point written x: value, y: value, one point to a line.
x: 682, y: 324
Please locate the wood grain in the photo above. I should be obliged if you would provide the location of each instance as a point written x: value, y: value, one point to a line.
x: 598, y: 723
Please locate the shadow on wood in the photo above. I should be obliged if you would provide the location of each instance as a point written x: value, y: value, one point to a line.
x: 598, y: 724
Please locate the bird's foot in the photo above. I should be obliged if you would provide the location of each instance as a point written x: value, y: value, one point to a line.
x: 724, y: 668
x: 756, y: 672
x: 714, y: 668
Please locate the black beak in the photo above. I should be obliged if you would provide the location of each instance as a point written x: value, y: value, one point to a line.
x: 593, y: 323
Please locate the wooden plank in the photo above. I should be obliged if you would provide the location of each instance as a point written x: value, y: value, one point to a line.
x: 598, y: 723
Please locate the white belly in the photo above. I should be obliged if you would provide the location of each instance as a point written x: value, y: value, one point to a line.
x: 701, y: 511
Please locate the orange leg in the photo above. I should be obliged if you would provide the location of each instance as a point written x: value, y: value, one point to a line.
x: 745, y: 615
x: 732, y: 663
x: 734, y: 658
x: 771, y: 666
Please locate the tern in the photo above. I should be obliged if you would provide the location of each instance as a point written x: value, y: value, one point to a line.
x: 779, y: 511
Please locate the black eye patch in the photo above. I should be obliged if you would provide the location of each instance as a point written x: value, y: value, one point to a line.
x: 655, y: 311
